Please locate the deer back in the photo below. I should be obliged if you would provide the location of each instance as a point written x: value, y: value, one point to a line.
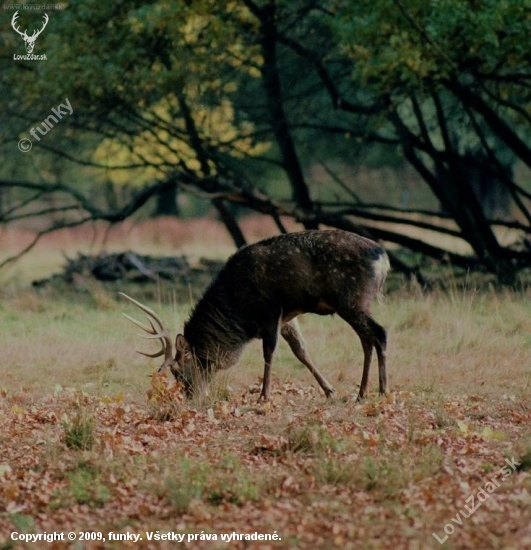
x: 281, y: 277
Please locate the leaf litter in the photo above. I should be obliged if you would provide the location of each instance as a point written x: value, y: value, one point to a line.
x: 384, y: 473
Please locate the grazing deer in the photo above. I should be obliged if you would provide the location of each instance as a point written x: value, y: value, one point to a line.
x: 260, y: 291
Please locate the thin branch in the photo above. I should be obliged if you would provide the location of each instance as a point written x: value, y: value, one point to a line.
x: 339, y: 181
x: 338, y: 101
x: 39, y: 236
x: 399, y: 220
x: 424, y: 34
x: 37, y: 213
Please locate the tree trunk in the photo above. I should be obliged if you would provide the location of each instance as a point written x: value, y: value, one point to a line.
x: 230, y: 223
x: 279, y: 121
x: 451, y: 186
x: 167, y: 201
x: 491, y: 191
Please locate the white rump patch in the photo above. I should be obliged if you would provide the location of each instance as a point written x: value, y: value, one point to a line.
x: 380, y: 268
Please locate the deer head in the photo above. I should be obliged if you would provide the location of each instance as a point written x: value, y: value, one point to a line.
x: 182, y: 363
x: 29, y: 40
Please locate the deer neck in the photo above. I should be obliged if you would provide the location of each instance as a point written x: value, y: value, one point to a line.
x: 215, y: 337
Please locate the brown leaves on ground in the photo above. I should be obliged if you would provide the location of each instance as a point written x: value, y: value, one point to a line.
x: 386, y: 473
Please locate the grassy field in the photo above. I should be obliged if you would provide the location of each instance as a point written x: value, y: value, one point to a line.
x: 92, y: 444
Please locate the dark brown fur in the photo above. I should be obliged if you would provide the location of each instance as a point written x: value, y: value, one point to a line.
x: 264, y: 286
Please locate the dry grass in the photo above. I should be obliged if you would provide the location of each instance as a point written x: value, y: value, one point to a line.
x: 443, y: 342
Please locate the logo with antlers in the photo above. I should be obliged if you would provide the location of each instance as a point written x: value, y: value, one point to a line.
x: 29, y: 40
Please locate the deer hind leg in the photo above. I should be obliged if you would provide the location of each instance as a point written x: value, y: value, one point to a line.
x: 380, y: 345
x: 293, y: 336
x: 371, y: 335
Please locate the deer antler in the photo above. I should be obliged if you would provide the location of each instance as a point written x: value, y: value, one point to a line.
x: 36, y: 33
x: 13, y: 21
x: 160, y: 333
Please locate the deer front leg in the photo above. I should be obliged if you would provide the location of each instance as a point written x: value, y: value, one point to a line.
x: 293, y: 336
x: 269, y: 342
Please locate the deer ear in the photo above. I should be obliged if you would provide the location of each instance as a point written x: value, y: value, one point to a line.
x: 181, y: 345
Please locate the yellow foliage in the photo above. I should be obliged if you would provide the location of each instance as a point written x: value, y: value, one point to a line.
x: 167, y: 143
x: 193, y: 27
